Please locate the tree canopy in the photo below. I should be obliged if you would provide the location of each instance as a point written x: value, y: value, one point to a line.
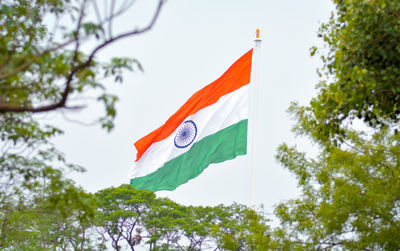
x: 361, y: 75
x: 48, y: 56
x: 133, y: 218
x: 350, y: 190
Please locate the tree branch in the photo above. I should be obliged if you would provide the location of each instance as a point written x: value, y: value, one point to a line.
x: 4, y: 108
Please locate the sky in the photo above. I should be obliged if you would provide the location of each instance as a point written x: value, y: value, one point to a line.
x: 192, y: 44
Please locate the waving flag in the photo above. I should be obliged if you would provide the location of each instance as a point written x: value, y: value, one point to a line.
x: 211, y: 127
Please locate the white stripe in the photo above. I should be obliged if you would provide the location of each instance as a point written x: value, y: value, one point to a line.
x: 228, y: 110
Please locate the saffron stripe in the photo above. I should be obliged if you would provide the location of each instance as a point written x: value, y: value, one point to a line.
x: 221, y: 146
x: 235, y: 77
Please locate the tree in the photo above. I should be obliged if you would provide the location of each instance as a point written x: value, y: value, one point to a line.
x: 43, y: 65
x: 123, y: 209
x: 164, y: 225
x: 350, y: 190
x: 58, y: 218
x: 48, y: 58
x: 197, y: 226
x: 238, y: 227
x: 361, y: 59
x: 350, y: 197
x: 133, y: 217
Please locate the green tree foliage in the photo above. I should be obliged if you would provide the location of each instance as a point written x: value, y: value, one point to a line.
x: 123, y: 210
x: 238, y: 227
x: 42, y: 63
x: 48, y: 55
x: 163, y: 224
x: 34, y: 195
x: 361, y: 67
x: 350, y: 190
x: 132, y: 218
x: 57, y: 218
x: 350, y: 196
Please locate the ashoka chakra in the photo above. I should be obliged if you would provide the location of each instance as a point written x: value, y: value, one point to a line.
x: 186, y: 134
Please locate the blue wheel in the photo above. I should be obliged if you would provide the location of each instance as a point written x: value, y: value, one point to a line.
x: 186, y: 134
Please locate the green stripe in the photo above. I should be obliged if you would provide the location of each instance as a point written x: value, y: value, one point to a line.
x: 223, y: 145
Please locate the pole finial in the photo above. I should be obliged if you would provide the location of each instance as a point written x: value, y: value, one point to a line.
x: 257, y: 33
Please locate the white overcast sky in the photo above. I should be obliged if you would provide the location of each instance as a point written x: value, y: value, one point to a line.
x: 191, y: 45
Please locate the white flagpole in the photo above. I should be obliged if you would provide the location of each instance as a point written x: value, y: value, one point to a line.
x: 254, y: 97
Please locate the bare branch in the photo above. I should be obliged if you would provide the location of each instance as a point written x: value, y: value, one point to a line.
x: 130, y: 33
x: 111, y: 20
x: 96, y: 10
x: 123, y: 8
x: 78, y: 29
x: 78, y: 122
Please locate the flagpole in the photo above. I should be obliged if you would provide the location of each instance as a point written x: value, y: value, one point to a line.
x: 254, y: 104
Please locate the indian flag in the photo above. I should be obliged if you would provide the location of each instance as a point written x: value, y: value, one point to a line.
x: 211, y: 127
